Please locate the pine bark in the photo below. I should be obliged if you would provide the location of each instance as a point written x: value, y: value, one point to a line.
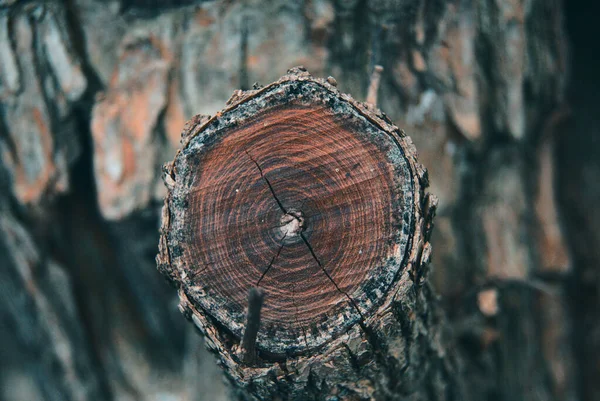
x: 93, y: 96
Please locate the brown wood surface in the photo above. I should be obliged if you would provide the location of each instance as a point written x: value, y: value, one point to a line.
x: 317, y: 200
x: 301, y: 201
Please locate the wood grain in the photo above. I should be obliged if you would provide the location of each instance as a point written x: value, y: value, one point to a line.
x: 311, y: 204
x: 301, y: 196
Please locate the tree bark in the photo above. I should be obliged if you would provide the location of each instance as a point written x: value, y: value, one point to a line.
x: 93, y: 96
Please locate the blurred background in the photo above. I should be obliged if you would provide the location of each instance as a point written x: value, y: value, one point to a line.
x: 501, y: 98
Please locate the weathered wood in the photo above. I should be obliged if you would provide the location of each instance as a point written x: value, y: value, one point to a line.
x: 42, y: 80
x: 318, y: 200
x: 475, y: 84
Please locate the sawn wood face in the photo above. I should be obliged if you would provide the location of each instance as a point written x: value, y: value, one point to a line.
x: 298, y: 194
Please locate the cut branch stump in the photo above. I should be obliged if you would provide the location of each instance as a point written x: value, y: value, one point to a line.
x: 317, y: 200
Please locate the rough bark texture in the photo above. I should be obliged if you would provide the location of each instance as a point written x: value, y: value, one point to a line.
x: 93, y: 96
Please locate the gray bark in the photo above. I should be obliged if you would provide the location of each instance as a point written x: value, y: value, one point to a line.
x: 93, y: 97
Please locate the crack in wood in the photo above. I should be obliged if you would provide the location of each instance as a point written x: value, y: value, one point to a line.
x: 264, y: 177
x: 272, y: 260
x: 352, y: 302
x: 199, y: 272
x: 280, y: 225
x: 305, y: 240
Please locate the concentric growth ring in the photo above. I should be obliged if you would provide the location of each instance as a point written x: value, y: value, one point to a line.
x: 304, y: 198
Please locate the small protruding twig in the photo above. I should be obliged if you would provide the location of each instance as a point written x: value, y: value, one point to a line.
x: 255, y: 302
x: 374, y: 85
x: 244, y: 80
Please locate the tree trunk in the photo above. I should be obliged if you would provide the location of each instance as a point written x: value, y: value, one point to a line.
x: 94, y: 95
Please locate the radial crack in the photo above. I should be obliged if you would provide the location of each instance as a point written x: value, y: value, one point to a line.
x: 262, y: 174
x: 199, y: 272
x: 310, y: 248
x: 272, y: 260
x: 352, y: 302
